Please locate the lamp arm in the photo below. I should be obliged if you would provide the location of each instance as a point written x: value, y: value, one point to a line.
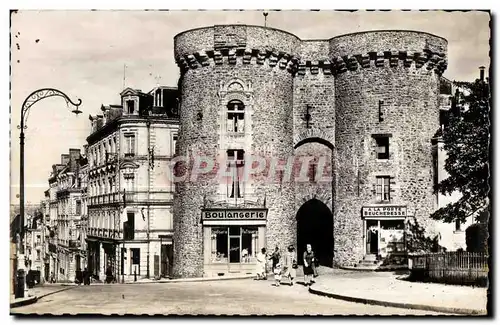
x: 40, y: 94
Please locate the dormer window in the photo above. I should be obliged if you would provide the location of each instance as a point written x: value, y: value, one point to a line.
x: 235, y: 116
x: 130, y: 106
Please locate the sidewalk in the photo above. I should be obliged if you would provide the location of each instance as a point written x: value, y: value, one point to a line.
x: 390, y: 289
x: 34, y: 294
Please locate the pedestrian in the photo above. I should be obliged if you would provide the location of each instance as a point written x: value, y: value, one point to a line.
x: 308, y: 265
x: 275, y: 257
x: 277, y: 273
x: 261, y: 265
x: 290, y: 265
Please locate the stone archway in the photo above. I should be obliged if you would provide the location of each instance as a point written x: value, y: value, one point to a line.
x: 315, y: 227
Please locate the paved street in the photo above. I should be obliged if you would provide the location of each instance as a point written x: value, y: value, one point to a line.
x: 244, y: 297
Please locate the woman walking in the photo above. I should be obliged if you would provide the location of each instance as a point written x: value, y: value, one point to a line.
x: 261, y: 265
x: 290, y: 264
x: 308, y: 265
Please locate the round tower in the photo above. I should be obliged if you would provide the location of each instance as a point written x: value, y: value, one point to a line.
x: 386, y: 100
x: 236, y: 90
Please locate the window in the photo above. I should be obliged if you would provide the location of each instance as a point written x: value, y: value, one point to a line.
x: 174, y: 143
x: 458, y: 225
x: 382, y: 147
x: 383, y: 188
x: 311, y: 173
x: 129, y: 144
x: 130, y: 106
x: 78, y: 207
x: 235, y: 116
x: 129, y: 226
x: 235, y: 159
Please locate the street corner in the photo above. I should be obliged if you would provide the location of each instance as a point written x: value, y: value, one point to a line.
x: 19, y: 302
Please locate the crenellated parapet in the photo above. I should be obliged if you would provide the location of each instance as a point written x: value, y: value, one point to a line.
x: 270, y: 58
x: 256, y: 45
x: 388, y: 49
x: 426, y: 59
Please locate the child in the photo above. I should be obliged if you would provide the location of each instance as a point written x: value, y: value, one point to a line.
x: 277, y: 274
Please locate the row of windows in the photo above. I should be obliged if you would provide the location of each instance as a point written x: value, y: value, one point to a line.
x: 101, y: 153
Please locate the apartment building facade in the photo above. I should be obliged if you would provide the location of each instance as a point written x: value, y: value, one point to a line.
x: 129, y: 188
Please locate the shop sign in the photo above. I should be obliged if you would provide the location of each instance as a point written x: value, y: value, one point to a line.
x: 242, y: 214
x: 385, y: 211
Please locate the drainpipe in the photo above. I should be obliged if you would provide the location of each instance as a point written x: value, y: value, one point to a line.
x: 148, y: 125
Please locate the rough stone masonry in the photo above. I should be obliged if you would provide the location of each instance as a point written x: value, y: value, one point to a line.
x: 343, y: 84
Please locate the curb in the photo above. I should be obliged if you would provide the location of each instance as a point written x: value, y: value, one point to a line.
x: 54, y: 292
x: 24, y: 302
x: 72, y: 285
x: 448, y: 310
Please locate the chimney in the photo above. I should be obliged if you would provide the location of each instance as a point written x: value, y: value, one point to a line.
x: 64, y: 159
x: 74, y: 156
x: 481, y: 73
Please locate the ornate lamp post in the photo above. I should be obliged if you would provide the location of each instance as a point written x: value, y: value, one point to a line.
x: 34, y: 97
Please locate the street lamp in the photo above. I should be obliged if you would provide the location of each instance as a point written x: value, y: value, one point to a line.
x: 34, y: 97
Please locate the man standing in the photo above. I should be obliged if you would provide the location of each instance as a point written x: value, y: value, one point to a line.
x: 275, y: 257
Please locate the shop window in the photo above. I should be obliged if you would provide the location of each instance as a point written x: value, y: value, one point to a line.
x: 235, y: 116
x: 136, y: 261
x: 234, y: 244
x: 383, y: 190
x: 235, y: 161
x: 219, y: 244
x: 391, y: 236
x: 382, y: 147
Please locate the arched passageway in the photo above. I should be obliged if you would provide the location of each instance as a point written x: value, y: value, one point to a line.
x: 315, y: 227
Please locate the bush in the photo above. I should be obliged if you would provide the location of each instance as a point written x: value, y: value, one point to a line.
x: 476, y: 238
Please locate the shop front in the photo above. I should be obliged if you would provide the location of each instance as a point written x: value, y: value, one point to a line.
x: 384, y: 230
x: 232, y: 238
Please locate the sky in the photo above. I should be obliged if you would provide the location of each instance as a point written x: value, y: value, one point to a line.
x: 83, y: 54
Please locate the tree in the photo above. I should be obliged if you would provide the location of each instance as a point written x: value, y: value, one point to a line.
x: 467, y: 143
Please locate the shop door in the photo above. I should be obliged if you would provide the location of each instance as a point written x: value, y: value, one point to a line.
x: 234, y: 254
x: 373, y: 242
x: 166, y: 259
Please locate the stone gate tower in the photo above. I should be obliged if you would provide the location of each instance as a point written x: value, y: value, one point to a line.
x: 367, y: 101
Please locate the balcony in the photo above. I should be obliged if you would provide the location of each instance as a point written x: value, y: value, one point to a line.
x: 131, y: 197
x: 109, y: 198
